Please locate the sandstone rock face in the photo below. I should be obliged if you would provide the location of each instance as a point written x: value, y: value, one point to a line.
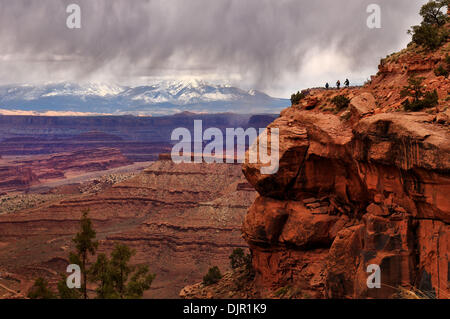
x: 349, y: 195
x: 362, y: 105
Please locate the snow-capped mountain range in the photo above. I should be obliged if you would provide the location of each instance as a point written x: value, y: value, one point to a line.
x: 167, y: 97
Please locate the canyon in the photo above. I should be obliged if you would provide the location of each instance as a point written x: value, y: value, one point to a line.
x: 180, y: 219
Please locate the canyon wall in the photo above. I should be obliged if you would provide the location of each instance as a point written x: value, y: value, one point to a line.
x: 365, y: 185
x: 346, y: 197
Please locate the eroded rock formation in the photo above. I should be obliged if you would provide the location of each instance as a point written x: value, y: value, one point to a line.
x: 357, y: 187
x: 348, y: 196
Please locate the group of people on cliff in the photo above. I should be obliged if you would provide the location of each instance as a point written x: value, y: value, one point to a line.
x: 338, y: 84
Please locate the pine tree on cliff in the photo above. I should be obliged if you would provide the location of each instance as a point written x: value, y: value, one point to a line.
x: 85, y: 244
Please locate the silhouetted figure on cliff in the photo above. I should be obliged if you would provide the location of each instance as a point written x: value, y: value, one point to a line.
x: 338, y: 84
x: 327, y: 86
x: 347, y: 83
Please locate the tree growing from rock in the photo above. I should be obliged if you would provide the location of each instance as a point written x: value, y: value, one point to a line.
x: 213, y: 276
x: 297, y: 97
x: 431, y: 34
x: 420, y: 98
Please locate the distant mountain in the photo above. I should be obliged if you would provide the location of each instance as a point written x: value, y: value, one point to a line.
x: 163, y: 98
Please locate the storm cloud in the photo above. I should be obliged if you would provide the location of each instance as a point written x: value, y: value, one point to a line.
x: 272, y: 45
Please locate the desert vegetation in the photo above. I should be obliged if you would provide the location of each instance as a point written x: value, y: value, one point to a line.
x: 431, y: 33
x: 420, y: 98
x: 114, y: 277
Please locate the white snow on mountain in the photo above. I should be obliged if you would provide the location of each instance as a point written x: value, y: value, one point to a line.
x: 164, y: 96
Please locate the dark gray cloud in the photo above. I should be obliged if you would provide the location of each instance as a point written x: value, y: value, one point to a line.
x: 272, y: 45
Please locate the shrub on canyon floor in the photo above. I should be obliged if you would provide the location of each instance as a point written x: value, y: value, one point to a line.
x: 213, y: 276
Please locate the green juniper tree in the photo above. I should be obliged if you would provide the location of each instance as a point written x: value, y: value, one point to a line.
x: 100, y: 272
x: 117, y: 279
x: 65, y: 292
x: 421, y: 98
x: 85, y: 245
x: 40, y: 290
x: 431, y: 34
x: 114, y: 276
x: 213, y: 276
x: 432, y: 12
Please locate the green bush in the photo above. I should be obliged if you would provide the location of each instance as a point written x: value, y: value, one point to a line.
x: 213, y: 276
x: 428, y: 36
x: 40, y: 290
x: 441, y: 71
x: 297, y: 97
x: 431, y: 34
x: 430, y: 99
x: 421, y: 99
x: 341, y: 102
x: 444, y: 68
x: 238, y: 259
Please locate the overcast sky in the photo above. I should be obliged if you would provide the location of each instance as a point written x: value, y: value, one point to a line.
x: 276, y: 46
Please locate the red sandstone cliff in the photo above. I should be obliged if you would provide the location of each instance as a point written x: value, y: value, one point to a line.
x: 369, y: 185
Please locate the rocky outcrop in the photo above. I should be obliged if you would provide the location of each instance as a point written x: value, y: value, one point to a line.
x: 350, y: 194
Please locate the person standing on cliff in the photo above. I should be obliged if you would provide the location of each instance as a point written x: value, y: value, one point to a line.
x: 338, y: 84
x: 327, y: 86
x: 347, y: 83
